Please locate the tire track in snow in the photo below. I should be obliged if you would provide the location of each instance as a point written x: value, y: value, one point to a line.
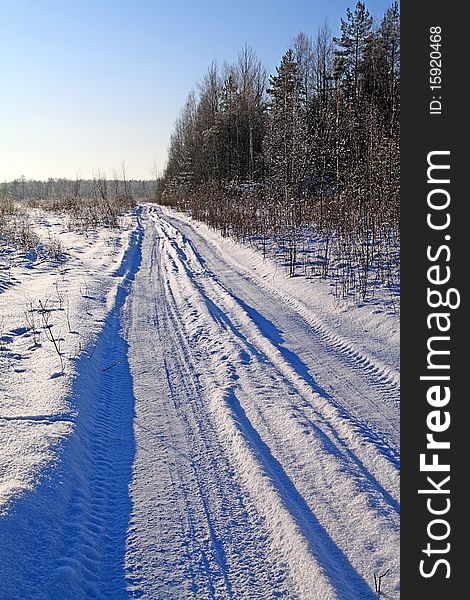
x: 271, y: 344
x: 373, y: 367
x: 205, y: 539
x: 382, y: 380
x: 67, y: 539
x: 334, y: 437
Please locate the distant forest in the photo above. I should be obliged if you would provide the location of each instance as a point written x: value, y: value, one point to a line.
x: 307, y: 159
x: 62, y: 189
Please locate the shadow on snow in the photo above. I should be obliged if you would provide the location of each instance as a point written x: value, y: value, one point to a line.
x: 67, y: 538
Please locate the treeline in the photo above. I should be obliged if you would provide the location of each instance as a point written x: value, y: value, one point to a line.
x: 307, y: 159
x: 85, y: 203
x: 61, y: 188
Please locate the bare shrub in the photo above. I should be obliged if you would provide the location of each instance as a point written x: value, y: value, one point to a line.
x: 45, y: 313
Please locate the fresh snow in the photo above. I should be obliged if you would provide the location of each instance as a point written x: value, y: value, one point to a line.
x: 219, y: 431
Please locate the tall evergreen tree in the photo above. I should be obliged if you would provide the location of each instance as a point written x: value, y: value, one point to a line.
x: 285, y: 145
x: 355, y: 33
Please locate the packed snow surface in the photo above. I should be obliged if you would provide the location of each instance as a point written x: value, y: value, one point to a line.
x: 219, y: 430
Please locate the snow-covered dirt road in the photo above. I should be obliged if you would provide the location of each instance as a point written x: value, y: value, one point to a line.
x: 236, y: 437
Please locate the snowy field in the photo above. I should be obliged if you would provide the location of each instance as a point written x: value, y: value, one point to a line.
x: 71, y: 296
x: 210, y: 429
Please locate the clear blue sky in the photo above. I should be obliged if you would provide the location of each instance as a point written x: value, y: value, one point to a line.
x: 86, y: 85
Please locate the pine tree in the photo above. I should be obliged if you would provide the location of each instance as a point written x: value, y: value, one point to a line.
x: 285, y: 145
x: 355, y: 32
